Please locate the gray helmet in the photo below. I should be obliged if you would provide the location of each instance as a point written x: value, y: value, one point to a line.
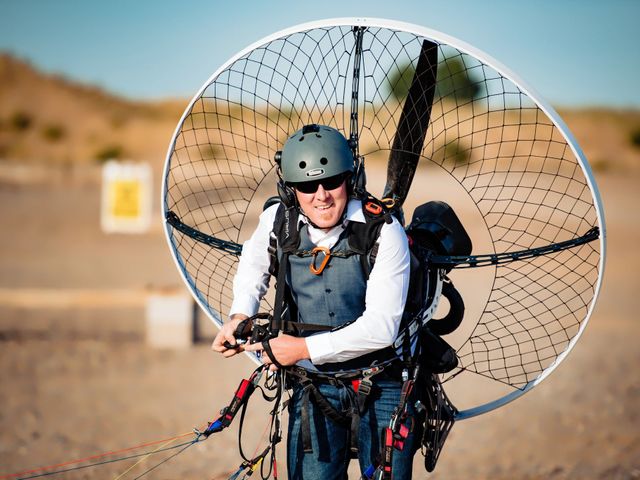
x: 313, y: 153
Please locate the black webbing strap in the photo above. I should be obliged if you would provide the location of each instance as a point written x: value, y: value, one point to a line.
x: 407, y: 359
x: 267, y: 348
x: 297, y: 329
x: 272, y: 250
x: 281, y: 287
x: 284, y: 234
x: 325, y: 407
x: 305, y: 424
x: 364, y: 389
x: 363, y: 238
x: 351, y: 418
x: 282, y: 321
x: 354, y: 433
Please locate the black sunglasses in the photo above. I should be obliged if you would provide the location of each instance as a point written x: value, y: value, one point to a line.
x: 330, y: 183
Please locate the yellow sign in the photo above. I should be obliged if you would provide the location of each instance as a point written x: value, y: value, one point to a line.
x: 126, y: 197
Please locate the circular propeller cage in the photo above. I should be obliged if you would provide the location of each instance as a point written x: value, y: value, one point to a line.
x: 503, y: 148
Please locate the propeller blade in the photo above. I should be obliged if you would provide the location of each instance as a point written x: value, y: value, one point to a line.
x: 412, y: 126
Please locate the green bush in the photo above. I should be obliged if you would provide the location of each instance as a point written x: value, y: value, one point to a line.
x: 600, y: 165
x: 635, y: 137
x: 453, y: 79
x: 21, y: 121
x: 399, y: 81
x: 53, y: 133
x: 458, y: 152
x: 109, y: 152
x: 209, y: 152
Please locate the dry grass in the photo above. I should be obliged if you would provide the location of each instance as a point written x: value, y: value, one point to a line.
x: 50, y: 119
x: 45, y: 118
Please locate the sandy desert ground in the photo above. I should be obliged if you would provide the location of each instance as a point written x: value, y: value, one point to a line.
x: 78, y: 379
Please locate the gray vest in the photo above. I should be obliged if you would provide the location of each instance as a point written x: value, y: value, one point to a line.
x: 334, y: 297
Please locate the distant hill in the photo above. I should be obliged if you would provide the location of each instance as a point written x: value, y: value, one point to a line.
x: 53, y: 120
x: 48, y: 118
x: 609, y: 138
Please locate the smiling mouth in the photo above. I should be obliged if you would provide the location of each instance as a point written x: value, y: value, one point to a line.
x: 323, y: 208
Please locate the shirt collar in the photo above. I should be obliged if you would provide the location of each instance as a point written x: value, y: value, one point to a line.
x: 354, y: 211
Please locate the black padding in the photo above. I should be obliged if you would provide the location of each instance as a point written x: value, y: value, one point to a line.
x: 285, y: 227
x: 436, y: 355
x: 453, y: 319
x: 437, y: 224
x: 271, y: 201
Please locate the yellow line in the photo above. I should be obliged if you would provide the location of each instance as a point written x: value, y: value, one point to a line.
x: 144, y: 458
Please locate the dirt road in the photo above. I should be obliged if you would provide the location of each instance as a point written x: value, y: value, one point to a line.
x: 75, y: 382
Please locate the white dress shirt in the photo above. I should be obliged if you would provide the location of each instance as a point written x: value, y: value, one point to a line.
x: 385, y: 297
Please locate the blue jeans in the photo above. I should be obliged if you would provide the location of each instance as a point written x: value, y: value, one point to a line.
x: 331, y: 448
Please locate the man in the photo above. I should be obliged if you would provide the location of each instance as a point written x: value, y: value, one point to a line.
x: 317, y: 173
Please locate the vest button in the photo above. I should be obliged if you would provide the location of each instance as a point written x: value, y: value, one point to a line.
x: 331, y: 314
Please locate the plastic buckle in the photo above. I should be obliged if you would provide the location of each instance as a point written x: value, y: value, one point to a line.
x: 364, y: 388
x: 373, y: 208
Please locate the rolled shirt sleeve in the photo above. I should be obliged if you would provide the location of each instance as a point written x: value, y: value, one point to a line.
x: 251, y: 281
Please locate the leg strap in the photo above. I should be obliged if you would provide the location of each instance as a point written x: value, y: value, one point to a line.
x: 351, y: 418
x: 325, y: 407
x: 364, y: 389
x: 305, y: 422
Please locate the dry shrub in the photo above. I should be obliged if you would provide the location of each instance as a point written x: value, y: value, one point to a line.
x: 109, y: 152
x: 53, y: 133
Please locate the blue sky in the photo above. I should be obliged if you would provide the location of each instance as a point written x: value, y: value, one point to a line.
x: 574, y: 53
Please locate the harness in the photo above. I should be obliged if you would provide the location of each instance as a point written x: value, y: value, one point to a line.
x: 284, y: 242
x: 417, y: 355
x: 362, y: 240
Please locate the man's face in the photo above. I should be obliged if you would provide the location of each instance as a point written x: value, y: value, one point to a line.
x: 324, y: 201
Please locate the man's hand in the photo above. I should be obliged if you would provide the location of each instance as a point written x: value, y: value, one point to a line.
x: 226, y: 335
x: 287, y: 349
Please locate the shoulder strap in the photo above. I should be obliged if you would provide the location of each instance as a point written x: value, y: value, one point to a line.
x: 285, y: 234
x: 285, y: 227
x: 363, y: 237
